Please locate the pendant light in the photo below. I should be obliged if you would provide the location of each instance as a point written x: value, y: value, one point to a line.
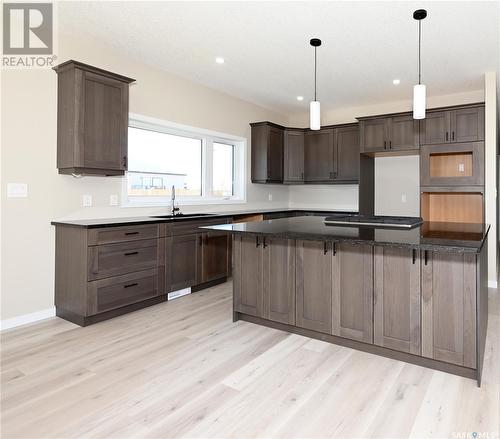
x: 419, y: 89
x: 314, y: 109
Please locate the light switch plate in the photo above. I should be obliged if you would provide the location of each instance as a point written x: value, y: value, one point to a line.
x: 270, y: 196
x: 17, y: 190
x: 461, y: 167
x: 113, y: 200
x: 403, y: 198
x: 87, y: 200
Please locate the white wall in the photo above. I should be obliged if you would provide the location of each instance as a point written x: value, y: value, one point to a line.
x: 28, y: 155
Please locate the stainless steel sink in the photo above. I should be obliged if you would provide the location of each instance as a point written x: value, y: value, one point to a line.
x: 181, y: 215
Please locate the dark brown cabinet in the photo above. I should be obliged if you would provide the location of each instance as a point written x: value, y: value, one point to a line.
x: 449, y: 307
x: 214, y: 256
x: 389, y: 133
x: 314, y: 286
x: 397, y: 299
x: 346, y: 154
x: 319, y: 156
x: 92, y: 120
x: 267, y: 153
x: 184, y: 256
x: 463, y: 124
x: 352, y: 307
x: 279, y: 279
x: 263, y: 277
x: 294, y: 156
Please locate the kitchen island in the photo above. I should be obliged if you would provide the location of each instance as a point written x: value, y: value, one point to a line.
x: 416, y: 295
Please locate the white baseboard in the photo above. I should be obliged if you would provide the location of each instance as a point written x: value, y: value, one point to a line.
x: 492, y: 284
x: 27, y: 318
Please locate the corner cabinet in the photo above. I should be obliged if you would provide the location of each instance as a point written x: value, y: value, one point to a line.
x: 297, y: 156
x: 92, y: 120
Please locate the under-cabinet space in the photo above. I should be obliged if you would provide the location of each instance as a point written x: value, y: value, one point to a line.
x: 460, y: 207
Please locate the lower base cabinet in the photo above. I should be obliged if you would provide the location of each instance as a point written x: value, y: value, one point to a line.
x: 314, y: 286
x: 263, y: 278
x: 397, y: 299
x: 183, y: 254
x: 449, y: 307
x: 352, y: 305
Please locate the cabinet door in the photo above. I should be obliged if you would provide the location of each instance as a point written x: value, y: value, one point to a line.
x: 449, y: 307
x: 397, y: 299
x: 373, y: 135
x: 275, y: 155
x: 247, y: 275
x: 346, y: 157
x: 104, y: 123
x: 314, y: 286
x: 467, y: 124
x: 259, y: 153
x: 183, y: 256
x: 403, y: 133
x: 352, y: 307
x: 294, y: 156
x: 213, y: 256
x: 279, y: 280
x: 435, y: 128
x: 319, y: 155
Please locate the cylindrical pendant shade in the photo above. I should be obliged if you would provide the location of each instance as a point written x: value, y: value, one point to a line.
x: 419, y: 101
x: 315, y: 116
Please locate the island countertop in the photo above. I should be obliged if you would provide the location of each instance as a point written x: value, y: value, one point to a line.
x: 461, y: 237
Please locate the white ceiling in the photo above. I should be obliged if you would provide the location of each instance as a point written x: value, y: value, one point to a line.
x: 266, y: 45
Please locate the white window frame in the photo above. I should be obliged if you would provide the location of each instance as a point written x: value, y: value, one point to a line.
x: 207, y: 137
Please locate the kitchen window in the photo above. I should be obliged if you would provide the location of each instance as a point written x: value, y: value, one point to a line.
x: 205, y: 167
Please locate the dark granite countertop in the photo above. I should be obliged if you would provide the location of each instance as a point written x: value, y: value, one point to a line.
x: 461, y: 237
x: 115, y: 222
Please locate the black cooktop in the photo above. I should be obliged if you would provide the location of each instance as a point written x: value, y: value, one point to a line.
x: 405, y: 222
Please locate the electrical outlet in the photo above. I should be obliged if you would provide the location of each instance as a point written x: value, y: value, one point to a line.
x: 87, y: 200
x: 403, y: 198
x: 461, y: 167
x: 270, y: 196
x: 17, y: 190
x: 113, y: 200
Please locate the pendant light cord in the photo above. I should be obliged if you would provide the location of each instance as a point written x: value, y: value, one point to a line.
x: 315, y: 74
x: 419, y: 57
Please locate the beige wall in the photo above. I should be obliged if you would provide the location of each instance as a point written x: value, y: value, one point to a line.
x: 29, y: 156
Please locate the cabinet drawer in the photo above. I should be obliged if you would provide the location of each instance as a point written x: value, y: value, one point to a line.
x: 115, y: 292
x: 114, y: 259
x: 109, y: 235
x: 189, y: 227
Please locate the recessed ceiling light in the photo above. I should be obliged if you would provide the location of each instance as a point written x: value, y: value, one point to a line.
x: 396, y: 81
x: 219, y: 60
x: 300, y: 98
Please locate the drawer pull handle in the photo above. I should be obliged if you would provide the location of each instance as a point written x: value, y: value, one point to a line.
x: 414, y: 255
x: 130, y: 285
x: 131, y: 233
x: 325, y: 247
x: 131, y: 253
x: 334, y: 249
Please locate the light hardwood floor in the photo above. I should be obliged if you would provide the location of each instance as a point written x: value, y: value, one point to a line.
x: 183, y: 368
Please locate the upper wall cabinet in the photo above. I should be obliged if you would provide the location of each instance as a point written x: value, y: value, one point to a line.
x: 297, y: 156
x: 388, y: 133
x: 92, y: 120
x: 267, y: 153
x: 294, y: 156
x: 462, y: 124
